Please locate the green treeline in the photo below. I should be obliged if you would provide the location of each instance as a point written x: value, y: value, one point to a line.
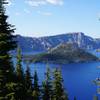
x: 15, y: 84
x: 27, y: 86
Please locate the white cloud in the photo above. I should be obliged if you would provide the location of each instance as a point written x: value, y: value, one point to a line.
x: 55, y: 2
x: 36, y: 3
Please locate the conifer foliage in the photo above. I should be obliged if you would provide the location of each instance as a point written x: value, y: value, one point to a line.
x: 15, y: 84
x: 58, y: 89
x: 36, y: 91
x: 47, y: 86
x: 28, y: 84
x: 19, y: 70
x: 20, y: 81
x: 7, y: 44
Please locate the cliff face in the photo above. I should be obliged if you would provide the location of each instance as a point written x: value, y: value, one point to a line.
x: 45, y: 43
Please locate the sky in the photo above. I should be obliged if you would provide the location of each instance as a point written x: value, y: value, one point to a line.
x: 38, y: 18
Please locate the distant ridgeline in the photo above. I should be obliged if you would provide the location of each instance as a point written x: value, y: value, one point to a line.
x: 46, y: 43
x: 63, y: 53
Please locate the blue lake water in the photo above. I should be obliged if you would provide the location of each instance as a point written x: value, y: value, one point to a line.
x: 78, y: 78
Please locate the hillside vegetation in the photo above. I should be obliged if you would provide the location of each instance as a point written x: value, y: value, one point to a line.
x: 64, y: 53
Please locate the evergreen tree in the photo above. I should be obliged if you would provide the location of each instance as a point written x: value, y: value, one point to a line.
x: 19, y: 70
x: 20, y: 90
x: 28, y: 79
x: 59, y: 93
x: 7, y: 44
x: 36, y: 92
x: 28, y: 84
x: 47, y: 86
x: 12, y: 88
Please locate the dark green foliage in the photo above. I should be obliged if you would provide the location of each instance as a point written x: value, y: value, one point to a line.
x: 58, y: 89
x: 7, y: 44
x: 19, y: 90
x: 47, y: 92
x: 19, y: 70
x: 12, y: 98
x: 17, y: 85
x: 28, y: 84
x: 35, y: 77
x: 11, y: 88
x: 36, y: 91
x: 28, y: 79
